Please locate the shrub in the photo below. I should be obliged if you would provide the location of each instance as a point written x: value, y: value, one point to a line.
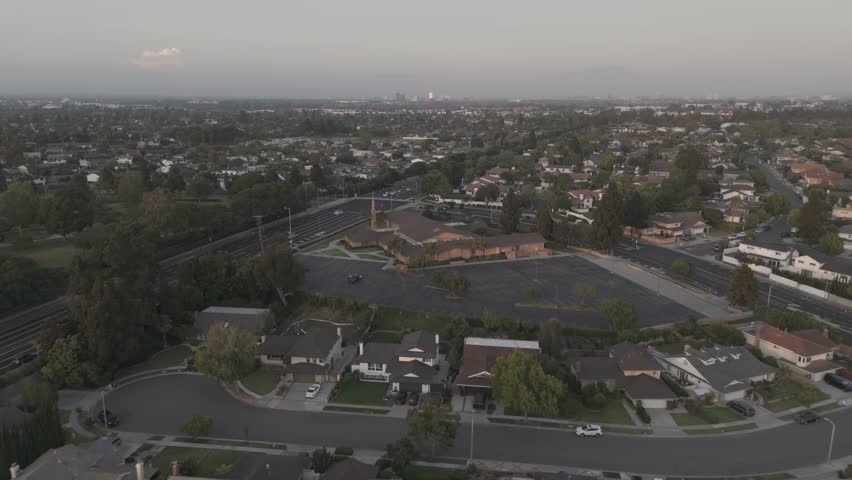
x: 642, y: 413
x: 321, y: 460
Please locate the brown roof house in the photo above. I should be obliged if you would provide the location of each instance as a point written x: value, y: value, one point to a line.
x: 313, y: 357
x: 409, y: 366
x: 807, y: 353
x: 479, y: 357
x: 630, y: 369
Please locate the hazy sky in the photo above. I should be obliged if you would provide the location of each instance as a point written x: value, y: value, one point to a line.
x: 493, y: 48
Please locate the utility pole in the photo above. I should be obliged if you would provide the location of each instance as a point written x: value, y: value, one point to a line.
x: 259, y: 220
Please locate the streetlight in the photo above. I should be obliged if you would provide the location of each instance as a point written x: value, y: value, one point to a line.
x: 290, y: 228
x: 259, y: 220
x: 472, y: 421
x: 831, y: 441
x: 103, y: 405
x: 769, y: 295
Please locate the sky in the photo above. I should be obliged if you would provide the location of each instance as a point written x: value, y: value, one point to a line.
x: 459, y: 48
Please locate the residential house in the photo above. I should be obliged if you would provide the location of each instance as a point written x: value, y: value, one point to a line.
x: 261, y: 466
x: 671, y: 225
x: 842, y: 213
x: 660, y: 168
x: 727, y: 372
x: 845, y: 234
x: 479, y: 357
x: 807, y: 353
x: 252, y: 320
x: 308, y: 358
x: 98, y: 460
x: 409, y: 366
x: 351, y: 469
x: 773, y: 256
x: 630, y: 369
x: 821, y: 267
x: 745, y: 194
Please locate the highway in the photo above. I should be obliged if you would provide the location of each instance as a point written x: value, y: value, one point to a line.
x: 19, y: 331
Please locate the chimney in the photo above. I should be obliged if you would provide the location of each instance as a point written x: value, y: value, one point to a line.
x: 140, y: 471
x: 825, y: 332
x: 174, y: 468
x: 14, y: 470
x: 360, y: 348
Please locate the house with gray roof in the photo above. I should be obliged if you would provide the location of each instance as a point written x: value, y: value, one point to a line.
x: 727, y: 372
x: 101, y: 459
x: 312, y: 357
x: 409, y: 366
x: 252, y: 320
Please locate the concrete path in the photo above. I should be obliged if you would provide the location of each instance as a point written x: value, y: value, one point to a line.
x: 706, y: 304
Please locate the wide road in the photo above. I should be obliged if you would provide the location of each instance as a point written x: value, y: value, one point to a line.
x: 19, y: 331
x: 159, y: 405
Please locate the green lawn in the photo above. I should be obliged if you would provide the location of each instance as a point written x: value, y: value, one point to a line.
x: 208, y: 461
x: 392, y: 318
x: 386, y: 337
x: 613, y: 412
x: 419, y: 472
x: 670, y: 348
x: 782, y: 405
x: 361, y: 393
x: 170, y: 357
x: 48, y: 254
x: 725, y: 415
x: 724, y: 229
x: 716, y: 431
x: 262, y: 381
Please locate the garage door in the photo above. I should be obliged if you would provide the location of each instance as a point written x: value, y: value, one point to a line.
x: 303, y: 377
x: 655, y: 403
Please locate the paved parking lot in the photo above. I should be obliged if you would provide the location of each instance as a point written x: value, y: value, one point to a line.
x: 494, y: 286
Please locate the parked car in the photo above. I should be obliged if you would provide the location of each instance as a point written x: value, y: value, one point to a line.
x: 786, y: 234
x: 836, y: 380
x: 355, y: 278
x: 111, y: 419
x: 313, y: 390
x: 589, y: 431
x: 402, y: 398
x: 806, y: 417
x: 25, y: 358
x: 414, y: 399
x: 741, y: 407
x: 338, y: 212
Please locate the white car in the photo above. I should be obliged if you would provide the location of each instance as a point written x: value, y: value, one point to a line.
x: 313, y: 390
x: 338, y: 212
x: 589, y: 431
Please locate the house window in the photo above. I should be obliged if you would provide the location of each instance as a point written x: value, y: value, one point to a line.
x: 374, y: 367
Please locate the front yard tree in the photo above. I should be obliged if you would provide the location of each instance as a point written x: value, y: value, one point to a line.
x: 72, y: 209
x: 811, y: 218
x: 519, y: 380
x: 511, y: 213
x: 401, y: 453
x: 621, y: 314
x: 830, y: 243
x: 743, y: 288
x: 634, y: 212
x: 777, y: 204
x: 544, y: 222
x: 436, y: 183
x: 278, y: 269
x: 550, y: 337
x: 433, y: 423
x: 228, y: 355
x: 608, y: 227
x: 321, y: 460
x: 197, y: 426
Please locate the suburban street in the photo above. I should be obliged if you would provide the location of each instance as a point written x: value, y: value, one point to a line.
x: 158, y: 405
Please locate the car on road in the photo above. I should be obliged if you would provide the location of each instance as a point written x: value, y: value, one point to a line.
x: 313, y: 390
x: 806, y: 417
x: 111, y: 419
x: 24, y: 359
x: 589, y: 431
x: 836, y: 380
x: 355, y: 278
x: 338, y: 212
x: 741, y: 407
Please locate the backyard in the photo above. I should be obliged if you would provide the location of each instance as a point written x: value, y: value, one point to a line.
x: 209, y: 462
x: 262, y: 380
x: 354, y: 391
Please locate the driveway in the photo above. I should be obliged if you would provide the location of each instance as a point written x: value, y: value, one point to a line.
x: 297, y: 390
x: 159, y: 405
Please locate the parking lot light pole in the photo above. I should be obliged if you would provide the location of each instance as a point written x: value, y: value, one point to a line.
x: 259, y: 220
x: 831, y: 440
x: 769, y: 295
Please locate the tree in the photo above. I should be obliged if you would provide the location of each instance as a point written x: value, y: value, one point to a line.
x: 755, y: 218
x: 131, y: 186
x: 433, y: 423
x: 487, y: 193
x: 510, y: 215
x: 776, y: 204
x: 19, y: 204
x: 830, y: 243
x: 401, y: 453
x: 621, y: 314
x: 585, y: 292
x: 174, y: 180
x: 24, y: 282
x: 66, y: 365
x: 39, y: 395
x: 200, y: 186
x: 713, y: 216
x: 544, y: 222
x: 436, y: 183
x: 519, y: 380
x: 72, y: 209
x: 197, y: 425
x: 743, y: 288
x: 690, y: 159
x: 228, y: 355
x: 683, y: 268
x: 634, y: 212
x: 811, y: 219
x: 279, y: 270
x: 321, y: 460
x: 608, y: 225
x: 550, y: 337
x: 160, y: 212
x: 451, y: 280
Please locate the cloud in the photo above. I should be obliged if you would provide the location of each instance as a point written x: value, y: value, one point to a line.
x: 169, y: 57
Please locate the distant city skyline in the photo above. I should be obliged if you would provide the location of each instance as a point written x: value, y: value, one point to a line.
x: 478, y: 49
